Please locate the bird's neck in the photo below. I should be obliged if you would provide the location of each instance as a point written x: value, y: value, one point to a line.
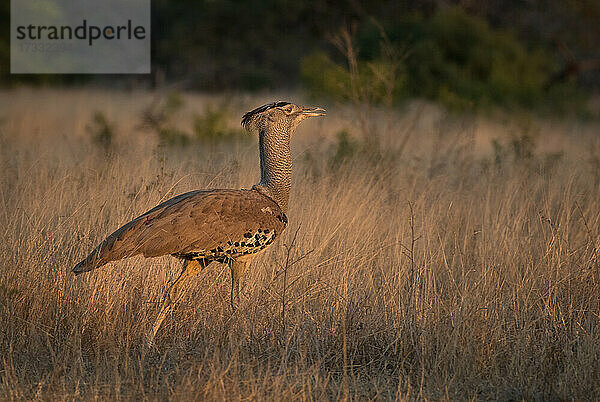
x: 275, y: 165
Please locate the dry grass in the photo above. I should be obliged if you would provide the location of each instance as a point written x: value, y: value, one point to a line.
x: 445, y: 273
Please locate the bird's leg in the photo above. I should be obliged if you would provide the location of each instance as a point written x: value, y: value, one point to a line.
x: 190, y: 269
x: 237, y: 271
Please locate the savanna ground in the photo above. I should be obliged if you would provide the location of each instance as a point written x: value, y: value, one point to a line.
x: 439, y: 257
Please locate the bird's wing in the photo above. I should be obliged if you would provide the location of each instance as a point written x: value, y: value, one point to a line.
x: 189, y: 223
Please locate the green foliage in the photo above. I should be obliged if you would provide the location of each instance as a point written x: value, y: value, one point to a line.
x: 519, y: 147
x: 159, y: 118
x: 481, y: 64
x: 173, y: 103
x: 349, y: 150
x: 567, y: 98
x: 323, y: 77
x: 173, y: 136
x: 377, y: 81
x: 212, y: 126
x: 344, y: 149
x: 453, y: 57
x: 101, y: 131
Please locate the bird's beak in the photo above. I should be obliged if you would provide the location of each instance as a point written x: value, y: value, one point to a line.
x: 313, y: 111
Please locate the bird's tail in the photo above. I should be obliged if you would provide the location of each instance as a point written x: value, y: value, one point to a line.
x: 120, y: 244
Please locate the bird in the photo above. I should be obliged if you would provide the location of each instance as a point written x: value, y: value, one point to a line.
x: 229, y: 226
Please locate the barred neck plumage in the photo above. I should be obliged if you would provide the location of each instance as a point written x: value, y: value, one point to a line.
x: 276, y: 163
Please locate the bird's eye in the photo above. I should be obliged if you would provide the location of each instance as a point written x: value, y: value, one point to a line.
x: 288, y: 109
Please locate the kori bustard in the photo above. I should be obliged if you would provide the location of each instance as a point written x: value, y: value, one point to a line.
x: 228, y: 226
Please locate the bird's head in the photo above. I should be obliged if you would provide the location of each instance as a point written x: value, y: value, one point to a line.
x: 279, y: 116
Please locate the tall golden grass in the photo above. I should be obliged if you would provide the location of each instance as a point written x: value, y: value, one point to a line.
x: 454, y: 270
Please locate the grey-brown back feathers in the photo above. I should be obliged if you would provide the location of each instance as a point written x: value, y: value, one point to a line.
x: 196, y: 224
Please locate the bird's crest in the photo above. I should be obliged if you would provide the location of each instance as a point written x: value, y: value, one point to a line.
x: 249, y: 116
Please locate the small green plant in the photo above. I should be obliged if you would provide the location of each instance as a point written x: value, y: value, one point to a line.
x: 344, y: 149
x: 101, y: 131
x: 212, y: 126
x: 380, y: 81
x: 158, y: 118
x: 519, y: 149
x: 173, y: 136
x: 348, y: 149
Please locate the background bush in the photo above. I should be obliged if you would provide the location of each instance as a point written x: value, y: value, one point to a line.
x: 452, y: 57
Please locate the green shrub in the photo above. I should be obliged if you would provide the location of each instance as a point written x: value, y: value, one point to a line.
x: 101, y: 131
x: 170, y: 135
x: 324, y: 78
x: 460, y: 60
x: 452, y: 57
x: 158, y: 118
x: 520, y: 149
x: 344, y: 149
x: 212, y: 126
x: 327, y: 79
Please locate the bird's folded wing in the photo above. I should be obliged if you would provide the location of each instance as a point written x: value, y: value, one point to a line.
x: 198, y: 220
